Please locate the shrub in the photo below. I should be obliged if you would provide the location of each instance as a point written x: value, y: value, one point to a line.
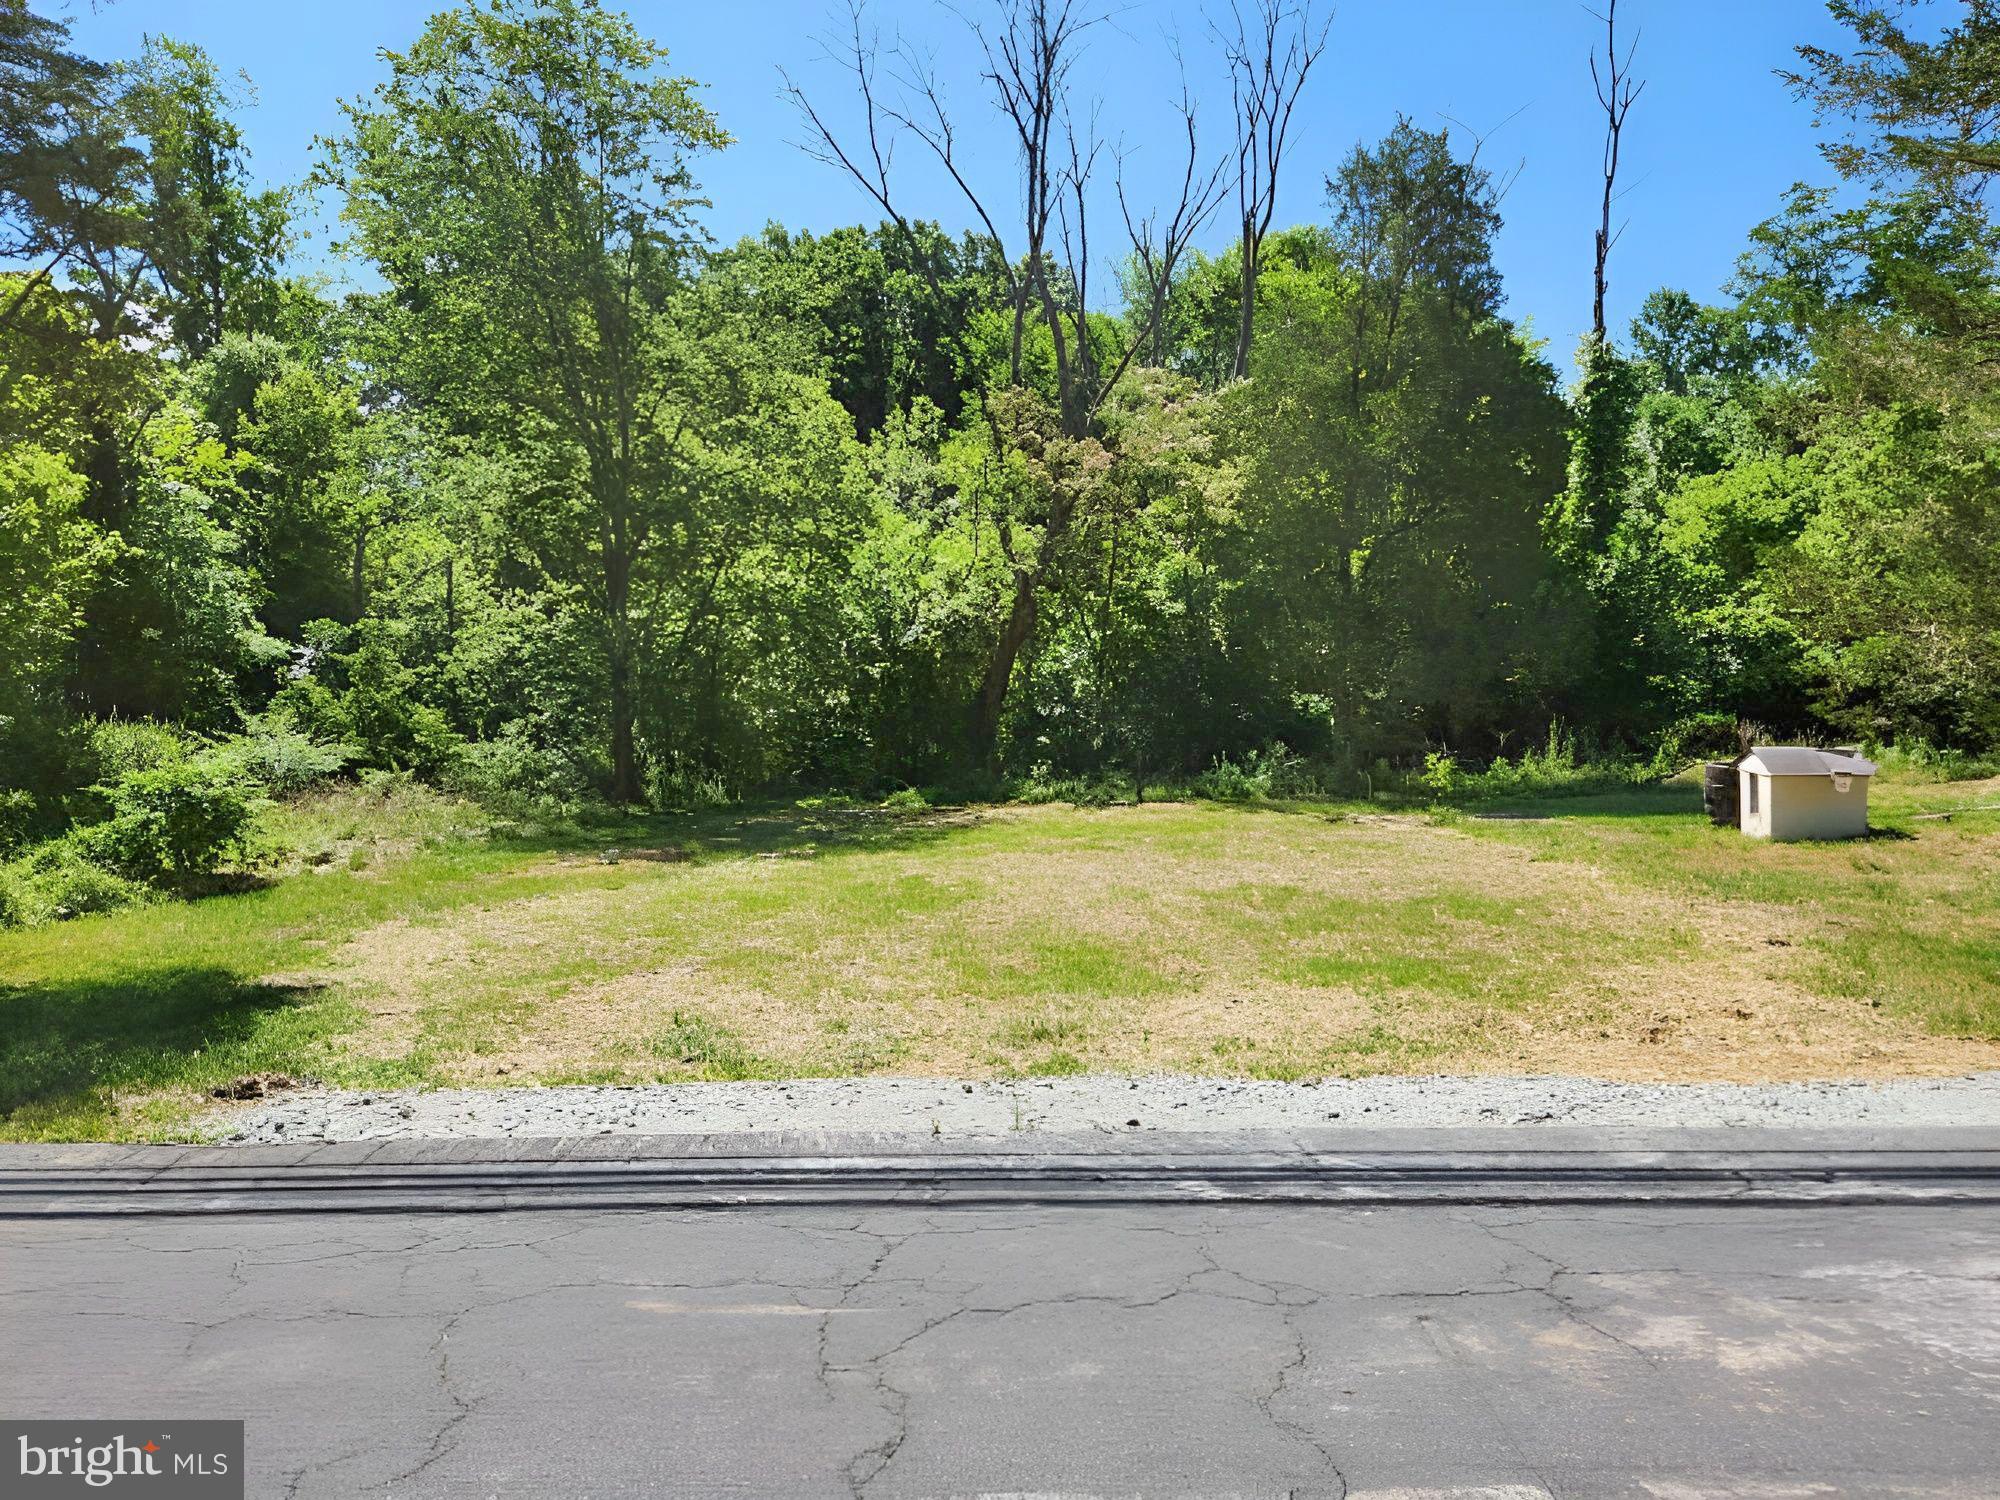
x: 386, y: 784
x: 278, y: 756
x: 909, y: 799
x: 1043, y: 785
x: 1440, y: 776
x: 57, y: 881
x: 1226, y: 781
x: 119, y: 746
x: 680, y: 787
x: 515, y: 773
x: 424, y: 741
x: 1286, y: 774
x: 1707, y: 736
x: 13, y: 900
x: 18, y: 816
x: 171, y: 824
x: 1913, y: 760
x: 1273, y: 772
x: 74, y: 886
x: 368, y: 698
x: 1562, y: 765
x: 310, y: 706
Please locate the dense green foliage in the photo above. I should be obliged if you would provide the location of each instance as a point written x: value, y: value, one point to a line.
x: 579, y: 505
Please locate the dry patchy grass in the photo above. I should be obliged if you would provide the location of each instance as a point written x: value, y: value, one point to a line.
x: 1189, y: 938
x: 1616, y: 935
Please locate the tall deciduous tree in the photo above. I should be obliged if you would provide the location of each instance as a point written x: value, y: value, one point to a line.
x: 1604, y: 403
x: 1399, y: 442
x: 213, y: 241
x: 522, y: 180
x: 61, y: 154
x: 1920, y: 122
x: 1927, y: 107
x: 1606, y: 388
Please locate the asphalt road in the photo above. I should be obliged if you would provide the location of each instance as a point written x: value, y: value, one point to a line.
x: 1423, y: 1349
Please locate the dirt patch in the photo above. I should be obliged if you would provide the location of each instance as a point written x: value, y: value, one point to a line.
x: 255, y: 1086
x: 1708, y: 1023
x: 387, y: 971
x: 664, y: 854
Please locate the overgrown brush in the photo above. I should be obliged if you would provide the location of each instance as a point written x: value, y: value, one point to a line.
x: 1564, y: 765
x: 1917, y: 761
x: 168, y: 811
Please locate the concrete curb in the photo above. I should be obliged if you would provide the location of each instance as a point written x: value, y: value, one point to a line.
x: 1507, y: 1140
x: 1352, y: 1168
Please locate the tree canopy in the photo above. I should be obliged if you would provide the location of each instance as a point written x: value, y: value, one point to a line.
x: 574, y: 503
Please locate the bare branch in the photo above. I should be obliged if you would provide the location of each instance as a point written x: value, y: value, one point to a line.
x: 1158, y: 252
x: 1269, y: 55
x: 1503, y: 184
x: 870, y: 165
x: 1616, y: 94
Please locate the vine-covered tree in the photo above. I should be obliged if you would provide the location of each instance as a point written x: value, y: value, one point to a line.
x: 1044, y: 431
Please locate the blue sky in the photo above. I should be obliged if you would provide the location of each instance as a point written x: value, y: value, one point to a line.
x: 1710, y: 147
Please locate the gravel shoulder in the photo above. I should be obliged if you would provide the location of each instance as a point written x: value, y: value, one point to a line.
x: 937, y: 1106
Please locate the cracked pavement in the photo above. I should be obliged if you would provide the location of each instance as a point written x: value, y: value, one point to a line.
x: 1419, y: 1352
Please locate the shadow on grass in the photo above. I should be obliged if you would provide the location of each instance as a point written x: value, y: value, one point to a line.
x: 1659, y: 800
x: 65, y: 1048
x: 1665, y: 799
x: 227, y: 883
x: 778, y: 829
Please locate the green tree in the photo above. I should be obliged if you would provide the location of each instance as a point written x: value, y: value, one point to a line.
x: 1133, y: 665
x: 1894, y: 583
x: 49, y: 556
x: 213, y: 242
x: 1909, y: 107
x: 170, y: 619
x: 884, y: 309
x: 1400, y: 443
x: 64, y: 165
x: 522, y: 182
x: 1890, y: 579
x: 1053, y: 363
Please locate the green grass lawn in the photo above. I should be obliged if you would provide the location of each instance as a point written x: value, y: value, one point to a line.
x: 1618, y: 935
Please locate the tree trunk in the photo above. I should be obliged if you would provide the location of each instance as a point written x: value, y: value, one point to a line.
x: 359, y: 581
x: 104, y: 477
x: 619, y: 662
x: 1000, y: 668
x: 1246, y: 315
x: 624, y: 753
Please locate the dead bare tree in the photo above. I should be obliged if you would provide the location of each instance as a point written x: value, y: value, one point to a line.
x: 1269, y: 56
x: 1030, y: 49
x: 1157, y: 247
x: 1616, y: 93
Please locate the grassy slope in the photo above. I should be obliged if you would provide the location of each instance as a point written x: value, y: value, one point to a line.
x: 1621, y: 936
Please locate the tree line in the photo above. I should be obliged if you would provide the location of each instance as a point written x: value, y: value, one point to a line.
x: 574, y: 503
